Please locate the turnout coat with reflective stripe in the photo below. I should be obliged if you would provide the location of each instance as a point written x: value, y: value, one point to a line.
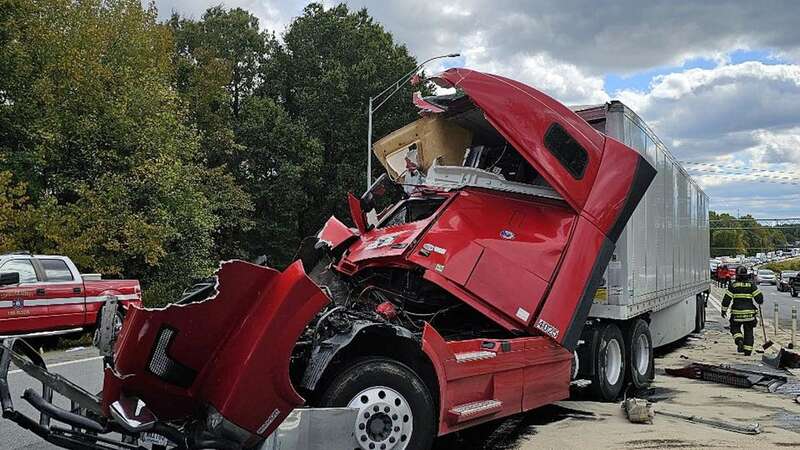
x: 742, y: 294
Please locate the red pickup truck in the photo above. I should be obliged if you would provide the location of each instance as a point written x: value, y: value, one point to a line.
x: 43, y: 293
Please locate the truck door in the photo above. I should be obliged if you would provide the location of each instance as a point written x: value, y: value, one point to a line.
x: 63, y: 293
x: 506, y: 258
x: 19, y: 310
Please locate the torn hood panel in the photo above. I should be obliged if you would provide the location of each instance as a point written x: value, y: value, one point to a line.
x: 523, y: 115
x: 231, y: 351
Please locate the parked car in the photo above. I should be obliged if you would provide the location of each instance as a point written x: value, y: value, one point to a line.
x: 47, y: 293
x: 765, y: 276
x: 783, y: 279
x: 725, y: 273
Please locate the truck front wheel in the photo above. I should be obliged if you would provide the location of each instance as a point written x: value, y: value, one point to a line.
x: 396, y: 411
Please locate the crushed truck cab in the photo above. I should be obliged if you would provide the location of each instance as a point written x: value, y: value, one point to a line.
x: 458, y: 296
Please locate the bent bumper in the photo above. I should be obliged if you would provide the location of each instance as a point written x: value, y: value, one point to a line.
x: 84, y: 419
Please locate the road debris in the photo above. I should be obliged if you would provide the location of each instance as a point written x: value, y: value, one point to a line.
x: 751, y: 428
x: 638, y: 410
x: 726, y: 375
x: 784, y: 359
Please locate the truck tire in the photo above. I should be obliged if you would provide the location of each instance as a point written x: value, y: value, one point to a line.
x: 396, y: 411
x: 639, y: 353
x: 608, y: 350
x: 700, y: 315
x: 794, y: 292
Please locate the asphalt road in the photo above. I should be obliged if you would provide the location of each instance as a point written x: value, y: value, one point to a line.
x: 81, y: 366
x: 784, y: 301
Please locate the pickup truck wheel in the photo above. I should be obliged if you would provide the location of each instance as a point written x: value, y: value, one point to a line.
x: 609, y: 360
x: 639, y: 350
x: 396, y: 411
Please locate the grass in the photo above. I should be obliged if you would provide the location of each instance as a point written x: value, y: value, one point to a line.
x: 790, y: 264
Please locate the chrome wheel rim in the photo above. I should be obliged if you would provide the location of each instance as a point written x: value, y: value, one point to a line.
x: 642, y: 355
x: 613, y: 362
x: 384, y: 420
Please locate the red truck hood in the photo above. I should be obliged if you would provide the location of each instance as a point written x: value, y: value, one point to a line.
x: 231, y: 352
x: 604, y: 195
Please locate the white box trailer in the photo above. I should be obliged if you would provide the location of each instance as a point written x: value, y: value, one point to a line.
x: 656, y: 284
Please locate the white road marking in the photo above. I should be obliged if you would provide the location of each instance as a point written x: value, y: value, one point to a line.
x: 64, y: 363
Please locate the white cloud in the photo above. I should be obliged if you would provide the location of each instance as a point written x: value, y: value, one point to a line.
x: 724, y: 110
x: 561, y: 80
x: 742, y: 119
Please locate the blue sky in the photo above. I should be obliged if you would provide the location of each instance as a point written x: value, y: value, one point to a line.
x: 719, y: 82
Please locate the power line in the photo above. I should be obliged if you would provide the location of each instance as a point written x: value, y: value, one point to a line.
x: 778, y: 227
x: 750, y: 248
x: 753, y: 169
x: 757, y: 180
x: 744, y: 174
x: 757, y: 219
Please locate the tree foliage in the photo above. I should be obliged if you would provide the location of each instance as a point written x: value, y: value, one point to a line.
x: 92, y: 126
x: 746, y: 236
x: 329, y: 63
x: 152, y: 150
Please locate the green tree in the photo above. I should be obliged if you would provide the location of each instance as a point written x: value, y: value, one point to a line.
x: 91, y: 123
x: 279, y: 166
x: 270, y: 155
x: 745, y: 235
x: 329, y: 63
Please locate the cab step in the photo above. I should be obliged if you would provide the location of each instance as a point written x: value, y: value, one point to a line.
x: 465, y: 357
x: 469, y: 411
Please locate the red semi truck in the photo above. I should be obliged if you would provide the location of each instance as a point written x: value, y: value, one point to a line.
x: 46, y: 294
x: 459, y: 296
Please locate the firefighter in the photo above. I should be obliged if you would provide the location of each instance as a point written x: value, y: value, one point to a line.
x: 742, y: 292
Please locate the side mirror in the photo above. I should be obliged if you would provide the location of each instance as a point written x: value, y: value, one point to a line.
x: 7, y: 278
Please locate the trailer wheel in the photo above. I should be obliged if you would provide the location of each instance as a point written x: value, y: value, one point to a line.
x: 609, y: 363
x: 639, y: 350
x: 700, y: 316
x: 396, y: 411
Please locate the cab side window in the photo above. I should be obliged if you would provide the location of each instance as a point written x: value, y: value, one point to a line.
x: 24, y: 267
x: 567, y: 150
x: 56, y: 270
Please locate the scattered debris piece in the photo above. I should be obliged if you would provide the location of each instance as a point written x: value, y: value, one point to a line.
x: 784, y: 359
x: 725, y: 375
x: 751, y: 428
x: 638, y: 410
